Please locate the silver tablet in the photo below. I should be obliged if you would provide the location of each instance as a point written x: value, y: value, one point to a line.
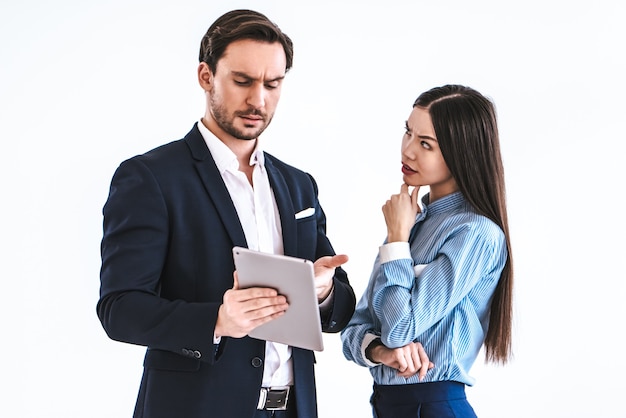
x: 293, y: 277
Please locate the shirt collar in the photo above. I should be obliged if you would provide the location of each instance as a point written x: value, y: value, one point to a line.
x: 445, y: 204
x: 224, y: 157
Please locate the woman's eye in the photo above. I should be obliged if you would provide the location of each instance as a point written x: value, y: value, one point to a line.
x: 425, y: 144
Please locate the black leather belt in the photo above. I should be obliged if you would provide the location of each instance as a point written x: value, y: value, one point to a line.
x: 274, y: 398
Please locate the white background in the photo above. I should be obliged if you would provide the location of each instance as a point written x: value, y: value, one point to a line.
x: 86, y: 84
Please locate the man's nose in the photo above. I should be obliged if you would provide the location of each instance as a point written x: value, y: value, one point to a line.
x: 256, y: 96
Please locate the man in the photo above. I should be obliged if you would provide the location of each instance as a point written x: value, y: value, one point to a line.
x: 171, y: 220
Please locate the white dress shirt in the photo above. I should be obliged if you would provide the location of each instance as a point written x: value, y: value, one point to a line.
x: 260, y: 220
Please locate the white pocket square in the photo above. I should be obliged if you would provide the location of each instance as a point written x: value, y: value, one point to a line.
x: 305, y: 213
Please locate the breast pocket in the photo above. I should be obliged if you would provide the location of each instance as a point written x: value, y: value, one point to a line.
x: 307, y: 236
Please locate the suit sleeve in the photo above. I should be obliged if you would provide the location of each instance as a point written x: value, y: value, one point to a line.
x: 133, y: 249
x: 338, y: 315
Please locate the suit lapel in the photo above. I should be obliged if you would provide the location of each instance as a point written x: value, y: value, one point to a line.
x: 285, y: 207
x: 215, y: 187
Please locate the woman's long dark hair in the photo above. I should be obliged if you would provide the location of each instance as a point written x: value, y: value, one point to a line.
x: 467, y: 132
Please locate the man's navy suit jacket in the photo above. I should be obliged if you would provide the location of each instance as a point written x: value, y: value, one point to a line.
x: 169, y: 229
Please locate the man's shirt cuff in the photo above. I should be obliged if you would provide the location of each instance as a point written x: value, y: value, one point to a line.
x: 327, y: 303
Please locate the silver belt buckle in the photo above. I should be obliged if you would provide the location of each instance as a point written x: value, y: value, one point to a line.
x: 274, y: 398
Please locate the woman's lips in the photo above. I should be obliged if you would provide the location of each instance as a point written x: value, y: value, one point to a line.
x: 407, y: 170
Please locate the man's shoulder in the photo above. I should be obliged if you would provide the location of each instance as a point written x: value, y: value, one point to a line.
x: 163, y: 150
x: 293, y: 176
x: 168, y: 151
x: 283, y: 166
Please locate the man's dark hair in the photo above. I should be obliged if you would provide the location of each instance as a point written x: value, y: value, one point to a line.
x: 241, y: 24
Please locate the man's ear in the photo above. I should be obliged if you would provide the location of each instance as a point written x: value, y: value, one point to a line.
x: 205, y: 76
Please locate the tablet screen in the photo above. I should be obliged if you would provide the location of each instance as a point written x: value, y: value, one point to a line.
x: 293, y: 277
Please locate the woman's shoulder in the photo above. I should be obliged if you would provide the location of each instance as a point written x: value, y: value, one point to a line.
x: 476, y: 224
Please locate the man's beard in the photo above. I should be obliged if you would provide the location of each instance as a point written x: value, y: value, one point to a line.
x: 225, y: 122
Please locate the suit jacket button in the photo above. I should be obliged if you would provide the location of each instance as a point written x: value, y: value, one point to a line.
x: 197, y: 354
x: 257, y: 362
x: 185, y: 352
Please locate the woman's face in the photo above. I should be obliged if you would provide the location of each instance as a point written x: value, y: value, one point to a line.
x: 422, y: 161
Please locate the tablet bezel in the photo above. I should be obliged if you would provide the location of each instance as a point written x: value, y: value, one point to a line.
x: 293, y: 277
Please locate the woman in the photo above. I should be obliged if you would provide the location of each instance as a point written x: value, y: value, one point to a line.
x: 441, y: 286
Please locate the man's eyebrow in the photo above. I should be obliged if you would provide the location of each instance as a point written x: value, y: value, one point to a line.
x: 248, y: 77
